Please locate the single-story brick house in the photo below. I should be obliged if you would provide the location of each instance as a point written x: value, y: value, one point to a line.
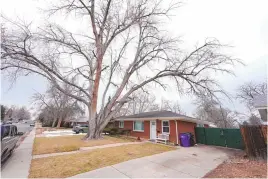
x: 78, y: 120
x: 148, y: 125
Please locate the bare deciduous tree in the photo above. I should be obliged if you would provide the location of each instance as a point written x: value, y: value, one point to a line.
x: 248, y: 91
x: 3, y: 112
x: 21, y: 114
x: 140, y: 102
x: 16, y: 113
x: 56, y: 105
x: 173, y: 106
x: 254, y: 120
x: 212, y: 111
x: 124, y: 40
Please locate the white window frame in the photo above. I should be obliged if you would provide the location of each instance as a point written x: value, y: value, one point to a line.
x: 121, y: 126
x: 166, y: 126
x: 138, y: 130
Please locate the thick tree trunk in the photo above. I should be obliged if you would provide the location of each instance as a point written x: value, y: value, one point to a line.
x: 59, y: 121
x: 93, y: 131
x: 54, y: 121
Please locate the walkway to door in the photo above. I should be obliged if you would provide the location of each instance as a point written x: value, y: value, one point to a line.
x: 189, y: 162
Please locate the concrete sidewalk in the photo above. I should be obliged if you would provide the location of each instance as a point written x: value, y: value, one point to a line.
x: 18, y: 165
x: 190, y: 162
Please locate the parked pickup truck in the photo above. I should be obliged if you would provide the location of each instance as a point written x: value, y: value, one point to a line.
x: 9, y: 138
x: 80, y: 128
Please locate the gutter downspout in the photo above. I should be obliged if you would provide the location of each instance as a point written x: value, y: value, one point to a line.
x: 177, y: 137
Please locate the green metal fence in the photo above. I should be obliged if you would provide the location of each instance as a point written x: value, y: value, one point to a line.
x: 220, y: 137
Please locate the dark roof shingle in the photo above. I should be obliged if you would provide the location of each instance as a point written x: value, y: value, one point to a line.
x: 155, y: 114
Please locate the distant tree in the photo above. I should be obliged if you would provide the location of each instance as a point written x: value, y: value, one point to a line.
x: 154, y: 107
x: 20, y: 113
x: 212, y: 111
x: 9, y: 113
x: 248, y: 91
x: 138, y: 103
x: 45, y: 117
x: 57, y: 106
x: 173, y: 106
x: 245, y: 123
x: 15, y: 113
x: 254, y: 120
x: 145, y: 102
x: 3, y: 112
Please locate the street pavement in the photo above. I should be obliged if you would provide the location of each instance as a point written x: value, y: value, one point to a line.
x: 23, y: 127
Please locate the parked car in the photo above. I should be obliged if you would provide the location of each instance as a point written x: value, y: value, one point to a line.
x: 80, y: 128
x: 9, y: 138
x: 8, y: 122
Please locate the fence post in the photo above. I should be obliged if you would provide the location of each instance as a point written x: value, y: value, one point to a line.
x: 254, y: 140
x: 205, y: 135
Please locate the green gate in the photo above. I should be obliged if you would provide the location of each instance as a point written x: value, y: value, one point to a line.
x: 233, y: 138
x: 200, y: 135
x: 219, y: 137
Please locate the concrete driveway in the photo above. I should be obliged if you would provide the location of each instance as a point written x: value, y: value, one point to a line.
x: 182, y: 163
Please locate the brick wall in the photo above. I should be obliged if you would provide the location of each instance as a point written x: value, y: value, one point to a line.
x: 186, y: 127
x: 129, y: 125
x: 182, y: 127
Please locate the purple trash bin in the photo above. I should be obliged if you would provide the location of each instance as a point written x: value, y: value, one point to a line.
x: 185, y: 139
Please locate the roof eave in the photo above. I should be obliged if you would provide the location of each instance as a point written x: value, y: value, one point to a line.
x: 186, y: 119
x: 261, y: 107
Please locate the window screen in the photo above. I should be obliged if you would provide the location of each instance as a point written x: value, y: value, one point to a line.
x: 138, y: 126
x: 165, y: 126
x: 121, y: 124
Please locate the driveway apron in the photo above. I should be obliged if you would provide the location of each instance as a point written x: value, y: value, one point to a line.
x: 189, y: 162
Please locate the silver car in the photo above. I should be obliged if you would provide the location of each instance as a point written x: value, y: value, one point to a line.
x: 9, y: 138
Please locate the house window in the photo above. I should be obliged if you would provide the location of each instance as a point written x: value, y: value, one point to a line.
x: 138, y: 126
x: 121, y: 124
x: 165, y: 126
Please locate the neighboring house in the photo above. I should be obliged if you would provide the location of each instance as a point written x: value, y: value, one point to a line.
x: 260, y: 103
x: 148, y: 125
x: 8, y: 115
x: 79, y: 120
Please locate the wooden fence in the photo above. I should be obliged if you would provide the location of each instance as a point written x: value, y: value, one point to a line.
x: 255, y: 140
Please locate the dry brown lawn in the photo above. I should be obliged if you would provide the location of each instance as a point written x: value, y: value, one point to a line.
x: 45, y: 145
x: 70, y: 165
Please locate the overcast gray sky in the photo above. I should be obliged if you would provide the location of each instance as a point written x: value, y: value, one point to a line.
x: 240, y: 23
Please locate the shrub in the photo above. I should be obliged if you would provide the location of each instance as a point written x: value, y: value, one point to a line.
x: 114, y: 131
x: 121, y: 131
x: 107, y: 130
x: 126, y: 132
